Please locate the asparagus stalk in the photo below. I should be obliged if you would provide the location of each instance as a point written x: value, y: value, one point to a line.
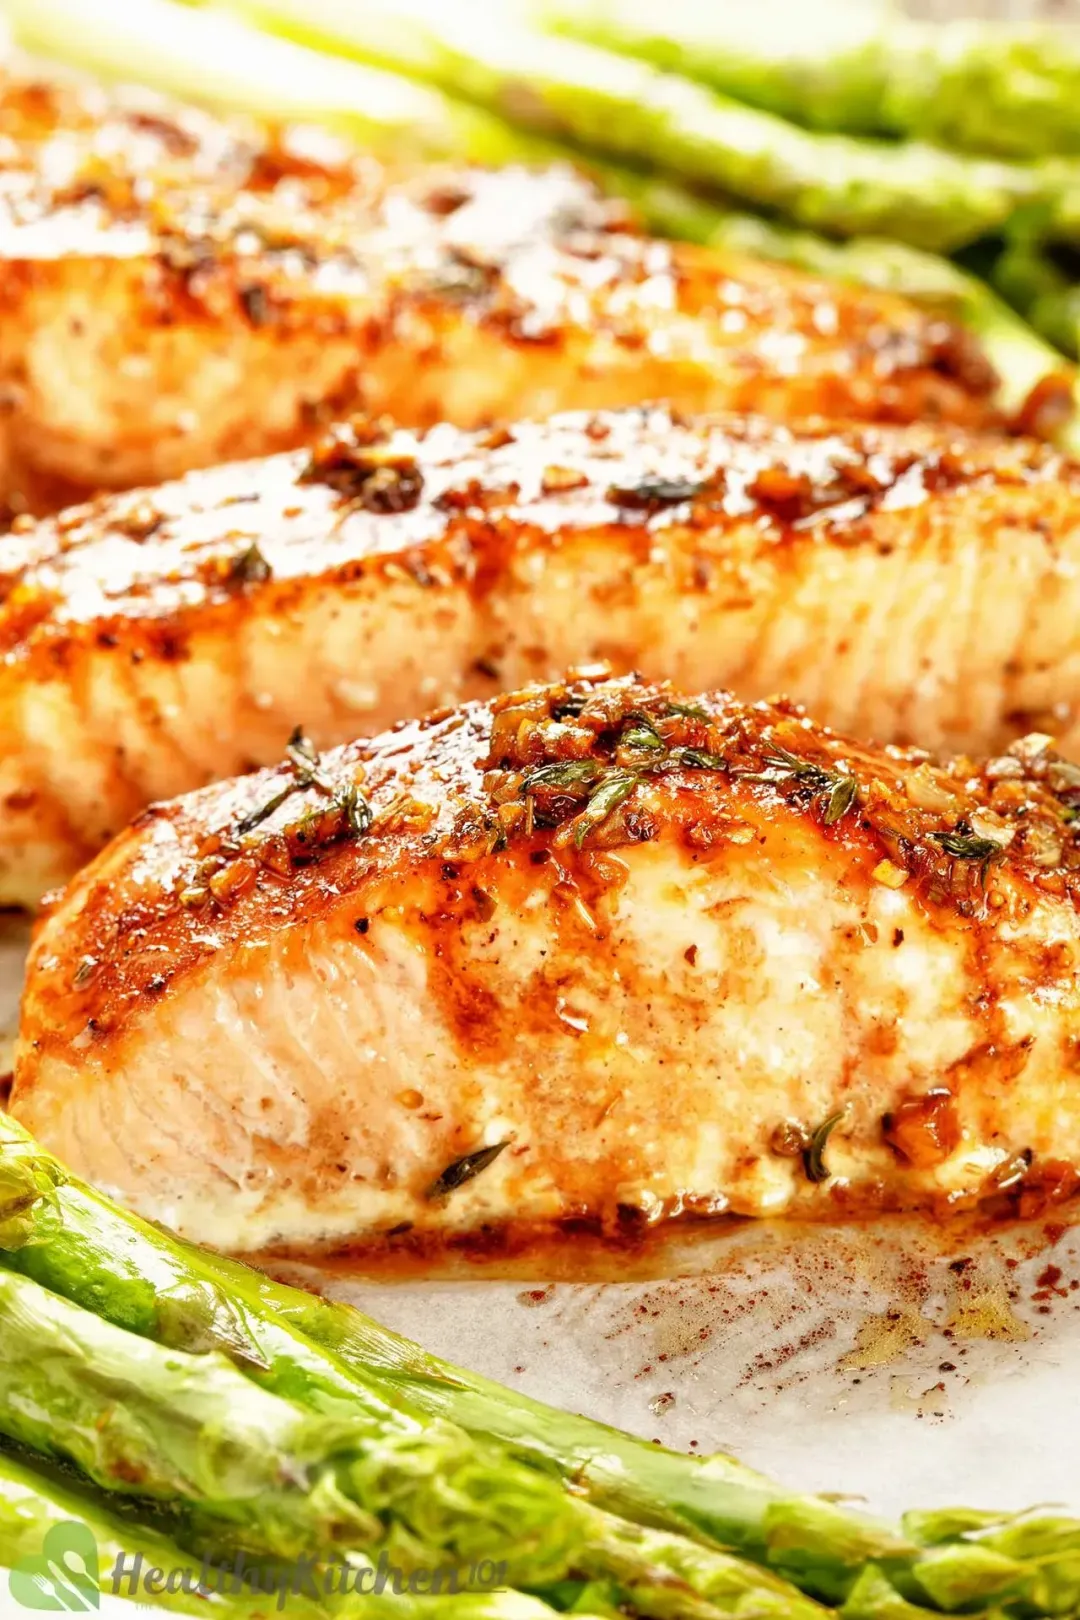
x: 45, y: 1521
x: 627, y: 109
x: 1029, y: 276
x: 50, y: 1519
x: 85, y: 1248
x: 1013, y: 91
x: 216, y: 59
x: 246, y: 1468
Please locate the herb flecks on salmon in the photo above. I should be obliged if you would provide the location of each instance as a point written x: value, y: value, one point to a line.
x: 624, y: 932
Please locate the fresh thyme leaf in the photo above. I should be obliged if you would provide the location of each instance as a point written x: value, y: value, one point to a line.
x: 250, y: 567
x: 782, y: 763
x: 569, y: 774
x: 300, y: 752
x: 840, y: 799
x: 814, y: 1165
x: 301, y: 755
x: 654, y: 494
x: 358, y: 812
x: 464, y: 1169
x: 698, y: 759
x: 608, y: 796
x: 349, y: 807
x: 643, y: 736
x: 966, y: 846
x: 263, y: 812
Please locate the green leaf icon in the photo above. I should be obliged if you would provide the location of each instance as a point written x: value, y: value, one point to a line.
x: 63, y: 1577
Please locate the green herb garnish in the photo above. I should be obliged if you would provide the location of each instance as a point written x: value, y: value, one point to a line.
x: 814, y: 1165
x: 781, y: 765
x: 642, y: 734
x: 689, y: 711
x: 840, y: 799
x: 250, y: 567
x: 354, y: 815
x: 301, y: 755
x: 608, y: 796
x: 462, y: 1170
x: 697, y: 759
x: 965, y: 846
x: 571, y: 775
x: 654, y: 494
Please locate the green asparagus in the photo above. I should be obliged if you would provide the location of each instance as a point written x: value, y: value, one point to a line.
x: 841, y: 66
x: 625, y: 108
x: 248, y: 1468
x: 215, y: 59
x: 85, y: 1248
x: 46, y: 1519
x: 1047, y: 294
x: 45, y: 1522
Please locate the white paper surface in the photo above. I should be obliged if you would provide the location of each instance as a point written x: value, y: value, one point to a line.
x: 851, y: 1360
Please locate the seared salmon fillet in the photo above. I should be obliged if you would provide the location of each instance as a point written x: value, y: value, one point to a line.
x: 592, y: 951
x: 174, y: 292
x: 910, y: 584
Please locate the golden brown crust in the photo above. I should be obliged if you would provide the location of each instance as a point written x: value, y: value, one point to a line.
x: 646, y: 955
x: 910, y: 584
x: 563, y: 773
x: 154, y: 567
x: 209, y: 268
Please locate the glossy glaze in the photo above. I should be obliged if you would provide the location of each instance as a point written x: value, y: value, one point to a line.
x: 176, y: 292
x: 667, y: 956
x: 910, y: 584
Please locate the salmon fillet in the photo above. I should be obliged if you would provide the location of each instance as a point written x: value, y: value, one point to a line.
x: 592, y: 952
x: 910, y: 584
x: 175, y: 292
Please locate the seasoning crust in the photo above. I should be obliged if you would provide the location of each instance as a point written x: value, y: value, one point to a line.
x: 178, y: 291
x: 910, y: 584
x: 597, y: 951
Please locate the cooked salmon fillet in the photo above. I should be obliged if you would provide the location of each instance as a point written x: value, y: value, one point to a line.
x: 591, y: 951
x: 910, y: 584
x: 175, y: 292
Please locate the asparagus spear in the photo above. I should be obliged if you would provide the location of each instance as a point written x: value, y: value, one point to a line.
x: 840, y: 66
x: 1028, y: 274
x: 46, y: 1520
x: 85, y: 1248
x: 616, y: 105
x: 247, y: 1469
x: 45, y: 1517
x: 214, y: 58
